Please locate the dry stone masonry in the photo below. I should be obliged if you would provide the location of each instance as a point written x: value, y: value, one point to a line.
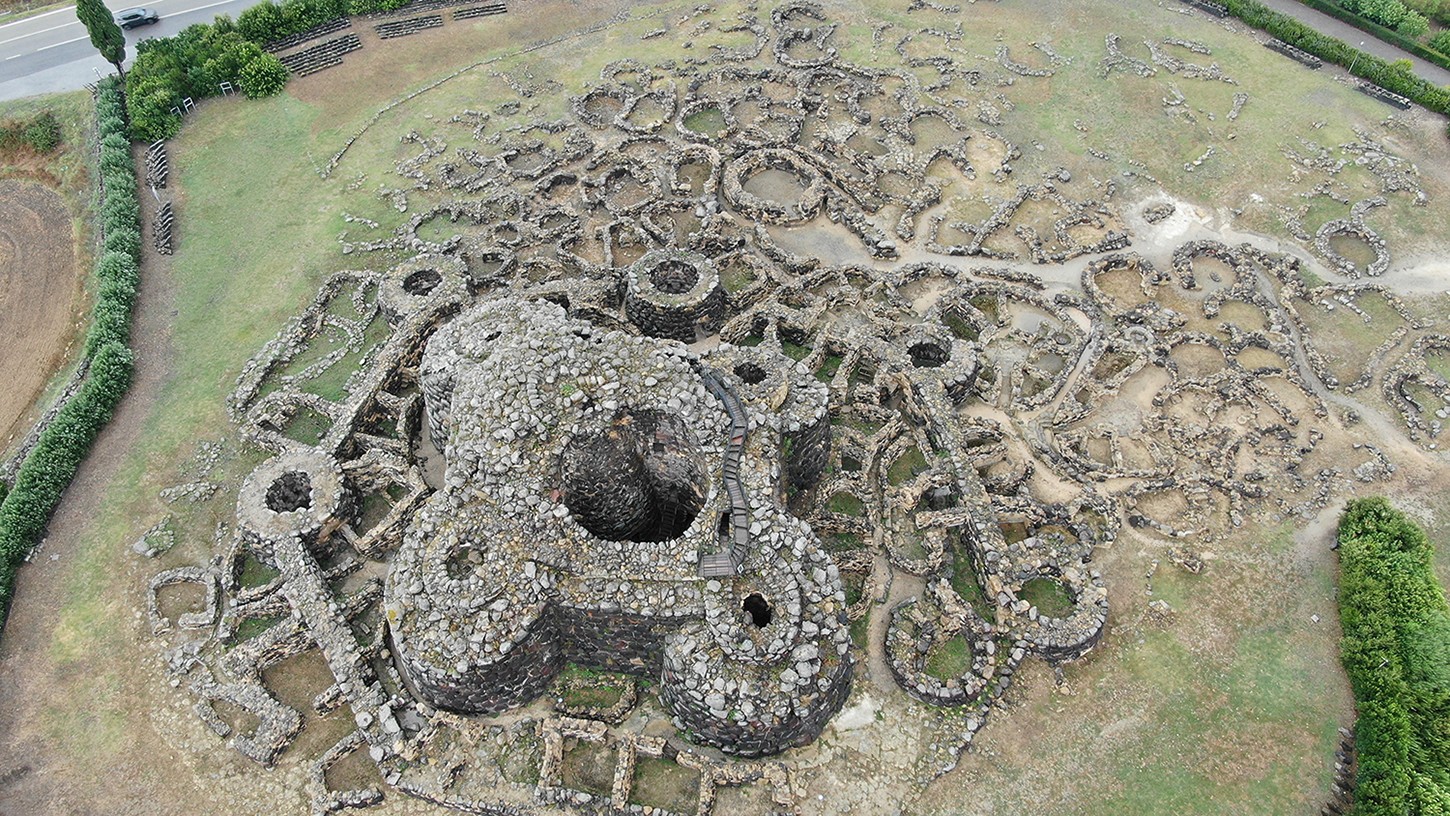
x: 614, y: 449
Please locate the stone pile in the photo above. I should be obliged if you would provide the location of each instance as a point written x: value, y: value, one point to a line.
x: 1388, y: 97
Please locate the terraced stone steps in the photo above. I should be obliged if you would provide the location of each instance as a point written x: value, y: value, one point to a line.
x: 480, y: 11
x: 319, y: 30
x: 412, y: 25
x: 323, y: 55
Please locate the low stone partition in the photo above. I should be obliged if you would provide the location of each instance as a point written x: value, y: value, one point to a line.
x: 1216, y: 9
x: 1388, y: 97
x: 1294, y: 53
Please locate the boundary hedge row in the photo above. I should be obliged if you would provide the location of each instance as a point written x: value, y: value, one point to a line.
x: 42, y: 478
x: 1396, y: 650
x: 1330, y: 49
x: 1374, y: 29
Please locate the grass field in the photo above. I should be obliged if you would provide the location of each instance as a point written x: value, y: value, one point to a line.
x: 1229, y: 708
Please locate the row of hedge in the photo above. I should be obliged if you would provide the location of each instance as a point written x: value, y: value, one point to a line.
x: 1389, y: 35
x: 1396, y: 650
x: 42, y: 478
x: 269, y: 21
x: 193, y: 64
x: 1384, y: 74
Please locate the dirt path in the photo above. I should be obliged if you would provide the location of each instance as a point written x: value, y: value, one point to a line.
x: 40, y: 289
x: 145, y: 777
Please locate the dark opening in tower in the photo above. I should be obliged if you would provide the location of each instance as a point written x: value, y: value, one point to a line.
x: 758, y: 609
x: 636, y: 480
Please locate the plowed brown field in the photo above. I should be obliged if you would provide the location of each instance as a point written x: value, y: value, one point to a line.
x: 39, y: 292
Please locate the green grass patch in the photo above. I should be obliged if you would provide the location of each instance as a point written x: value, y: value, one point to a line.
x: 964, y: 581
x: 251, y: 627
x: 1049, y: 596
x: 794, y: 351
x: 866, y: 427
x: 255, y: 573
x: 828, y: 368
x: 861, y: 632
x: 949, y: 659
x: 846, y: 503
x: 664, y: 784
x: 596, y: 697
x: 736, y: 277
x: 908, y: 466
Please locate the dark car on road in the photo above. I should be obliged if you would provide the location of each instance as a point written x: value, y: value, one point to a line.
x: 132, y: 17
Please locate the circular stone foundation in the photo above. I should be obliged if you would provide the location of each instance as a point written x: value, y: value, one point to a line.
x: 296, y: 493
x: 670, y: 294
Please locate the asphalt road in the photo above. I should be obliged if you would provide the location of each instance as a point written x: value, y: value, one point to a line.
x: 51, y: 52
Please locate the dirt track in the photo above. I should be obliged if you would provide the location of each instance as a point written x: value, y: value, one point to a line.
x: 40, y: 289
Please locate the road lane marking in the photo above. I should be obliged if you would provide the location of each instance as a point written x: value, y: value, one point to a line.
x: 38, y: 16
x: 40, y: 31
x: 57, y: 45
x: 77, y: 22
x: 201, y: 8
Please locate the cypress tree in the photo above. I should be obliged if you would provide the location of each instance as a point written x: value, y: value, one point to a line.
x: 106, y: 36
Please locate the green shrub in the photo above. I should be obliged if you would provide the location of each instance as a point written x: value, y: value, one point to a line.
x: 192, y: 64
x: 1441, y: 42
x: 261, y: 23
x: 371, y: 6
x: 264, y: 76
x: 1413, y: 24
x: 43, y: 133
x: 269, y: 21
x: 1396, y: 651
x: 227, y: 64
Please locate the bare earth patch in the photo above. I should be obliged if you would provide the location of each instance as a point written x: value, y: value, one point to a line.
x: 40, y: 288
